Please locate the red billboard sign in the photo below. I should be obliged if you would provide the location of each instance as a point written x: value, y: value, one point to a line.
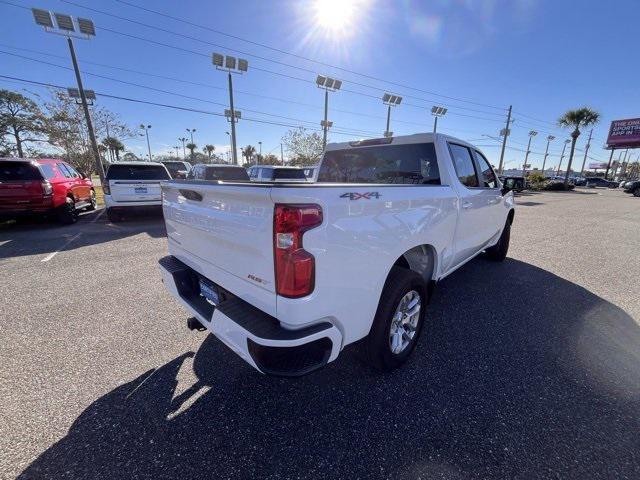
x: 624, y: 133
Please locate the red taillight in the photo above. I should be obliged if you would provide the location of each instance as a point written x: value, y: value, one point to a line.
x: 47, y: 189
x: 295, y: 267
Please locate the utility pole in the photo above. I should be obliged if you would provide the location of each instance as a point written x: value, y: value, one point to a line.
x: 564, y: 147
x: 586, y: 151
x: 504, y: 140
x: 146, y: 131
x: 281, y: 154
x: 546, y: 152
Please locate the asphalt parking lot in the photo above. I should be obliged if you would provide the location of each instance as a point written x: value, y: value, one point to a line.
x: 527, y: 369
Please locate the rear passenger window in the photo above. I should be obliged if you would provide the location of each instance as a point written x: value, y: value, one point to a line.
x: 463, y: 163
x: 414, y: 163
x: 62, y: 168
x: 47, y: 170
x: 487, y: 175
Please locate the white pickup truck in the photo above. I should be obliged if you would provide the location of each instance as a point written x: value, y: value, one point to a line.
x: 288, y: 274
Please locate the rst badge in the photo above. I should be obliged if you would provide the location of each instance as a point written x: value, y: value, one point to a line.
x: 358, y: 196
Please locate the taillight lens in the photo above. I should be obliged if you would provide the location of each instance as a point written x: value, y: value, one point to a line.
x: 105, y: 188
x: 295, y: 267
x: 47, y: 189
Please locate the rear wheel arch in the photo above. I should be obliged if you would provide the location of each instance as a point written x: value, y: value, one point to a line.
x: 421, y: 259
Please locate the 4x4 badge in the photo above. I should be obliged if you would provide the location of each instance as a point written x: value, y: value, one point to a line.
x: 358, y: 196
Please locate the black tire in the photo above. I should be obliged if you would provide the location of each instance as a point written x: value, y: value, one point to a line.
x: 636, y: 192
x: 67, y: 213
x: 93, y: 203
x: 377, y: 344
x: 498, y: 252
x: 113, y: 215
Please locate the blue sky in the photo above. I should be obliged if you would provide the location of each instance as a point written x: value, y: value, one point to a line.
x: 475, y: 57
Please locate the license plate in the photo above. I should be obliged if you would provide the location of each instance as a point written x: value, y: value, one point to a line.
x: 209, y: 292
x: 141, y: 190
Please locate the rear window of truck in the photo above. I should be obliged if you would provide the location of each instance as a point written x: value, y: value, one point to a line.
x: 414, y: 163
x: 19, y: 172
x: 137, y: 172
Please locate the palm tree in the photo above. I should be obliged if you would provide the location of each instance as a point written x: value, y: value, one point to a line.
x: 248, y: 152
x: 191, y: 147
x: 114, y: 145
x: 575, y: 119
x: 209, y: 149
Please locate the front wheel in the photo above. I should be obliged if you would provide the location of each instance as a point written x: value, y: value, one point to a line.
x: 398, y: 321
x: 92, y: 201
x: 498, y: 252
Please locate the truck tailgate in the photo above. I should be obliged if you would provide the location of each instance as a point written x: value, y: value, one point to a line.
x: 227, y: 226
x: 135, y: 190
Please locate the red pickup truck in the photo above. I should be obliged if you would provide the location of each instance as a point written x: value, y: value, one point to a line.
x: 43, y: 186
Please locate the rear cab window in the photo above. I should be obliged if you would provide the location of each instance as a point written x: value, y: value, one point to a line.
x: 137, y: 172
x: 414, y: 163
x: 287, y: 173
x: 19, y: 172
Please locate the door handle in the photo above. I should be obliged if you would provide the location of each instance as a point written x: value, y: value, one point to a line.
x: 466, y: 205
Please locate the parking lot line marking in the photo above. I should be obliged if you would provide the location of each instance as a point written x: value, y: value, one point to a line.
x: 98, y: 216
x: 66, y: 244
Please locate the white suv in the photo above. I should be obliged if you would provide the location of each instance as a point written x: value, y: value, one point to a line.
x: 130, y: 185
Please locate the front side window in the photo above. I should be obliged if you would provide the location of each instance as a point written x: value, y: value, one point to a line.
x: 488, y: 177
x: 463, y: 164
x: 414, y: 163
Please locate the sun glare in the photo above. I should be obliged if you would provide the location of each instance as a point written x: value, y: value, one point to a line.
x: 336, y: 16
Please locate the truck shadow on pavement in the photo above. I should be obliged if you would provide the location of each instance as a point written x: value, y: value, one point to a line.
x: 37, y: 236
x: 519, y: 373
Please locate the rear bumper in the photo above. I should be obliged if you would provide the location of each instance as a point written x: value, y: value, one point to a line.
x: 258, y: 338
x: 20, y: 209
x: 111, y: 203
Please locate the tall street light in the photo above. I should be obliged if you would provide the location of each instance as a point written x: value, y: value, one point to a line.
x: 146, y: 131
x: 390, y: 101
x: 231, y: 65
x: 564, y: 147
x: 177, y: 147
x: 550, y: 138
x: 184, y: 151
x: 437, y: 112
x: 80, y: 28
x: 191, y: 132
x: 328, y: 84
x: 532, y: 133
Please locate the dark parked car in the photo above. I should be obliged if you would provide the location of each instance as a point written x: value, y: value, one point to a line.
x: 633, y: 187
x: 600, y: 182
x: 229, y: 173
x: 517, y: 184
x: 177, y: 169
x: 43, y: 186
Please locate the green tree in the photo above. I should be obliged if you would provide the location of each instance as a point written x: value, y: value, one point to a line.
x: 192, y: 147
x: 305, y: 147
x: 21, y: 121
x: 248, y: 152
x: 114, y: 146
x: 209, y: 149
x: 576, y: 119
x: 270, y: 159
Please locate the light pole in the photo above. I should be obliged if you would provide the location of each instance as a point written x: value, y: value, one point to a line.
x: 184, y: 151
x: 532, y: 133
x: 146, y: 131
x: 586, y: 151
x: 231, y: 65
x: 566, y: 142
x: 504, y: 133
x: 66, y: 26
x: 390, y: 101
x: 191, y: 132
x: 550, y: 138
x: 437, y: 111
x: 328, y: 84
x: 259, y: 153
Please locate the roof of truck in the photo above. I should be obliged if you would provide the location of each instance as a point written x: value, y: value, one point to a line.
x: 399, y: 140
